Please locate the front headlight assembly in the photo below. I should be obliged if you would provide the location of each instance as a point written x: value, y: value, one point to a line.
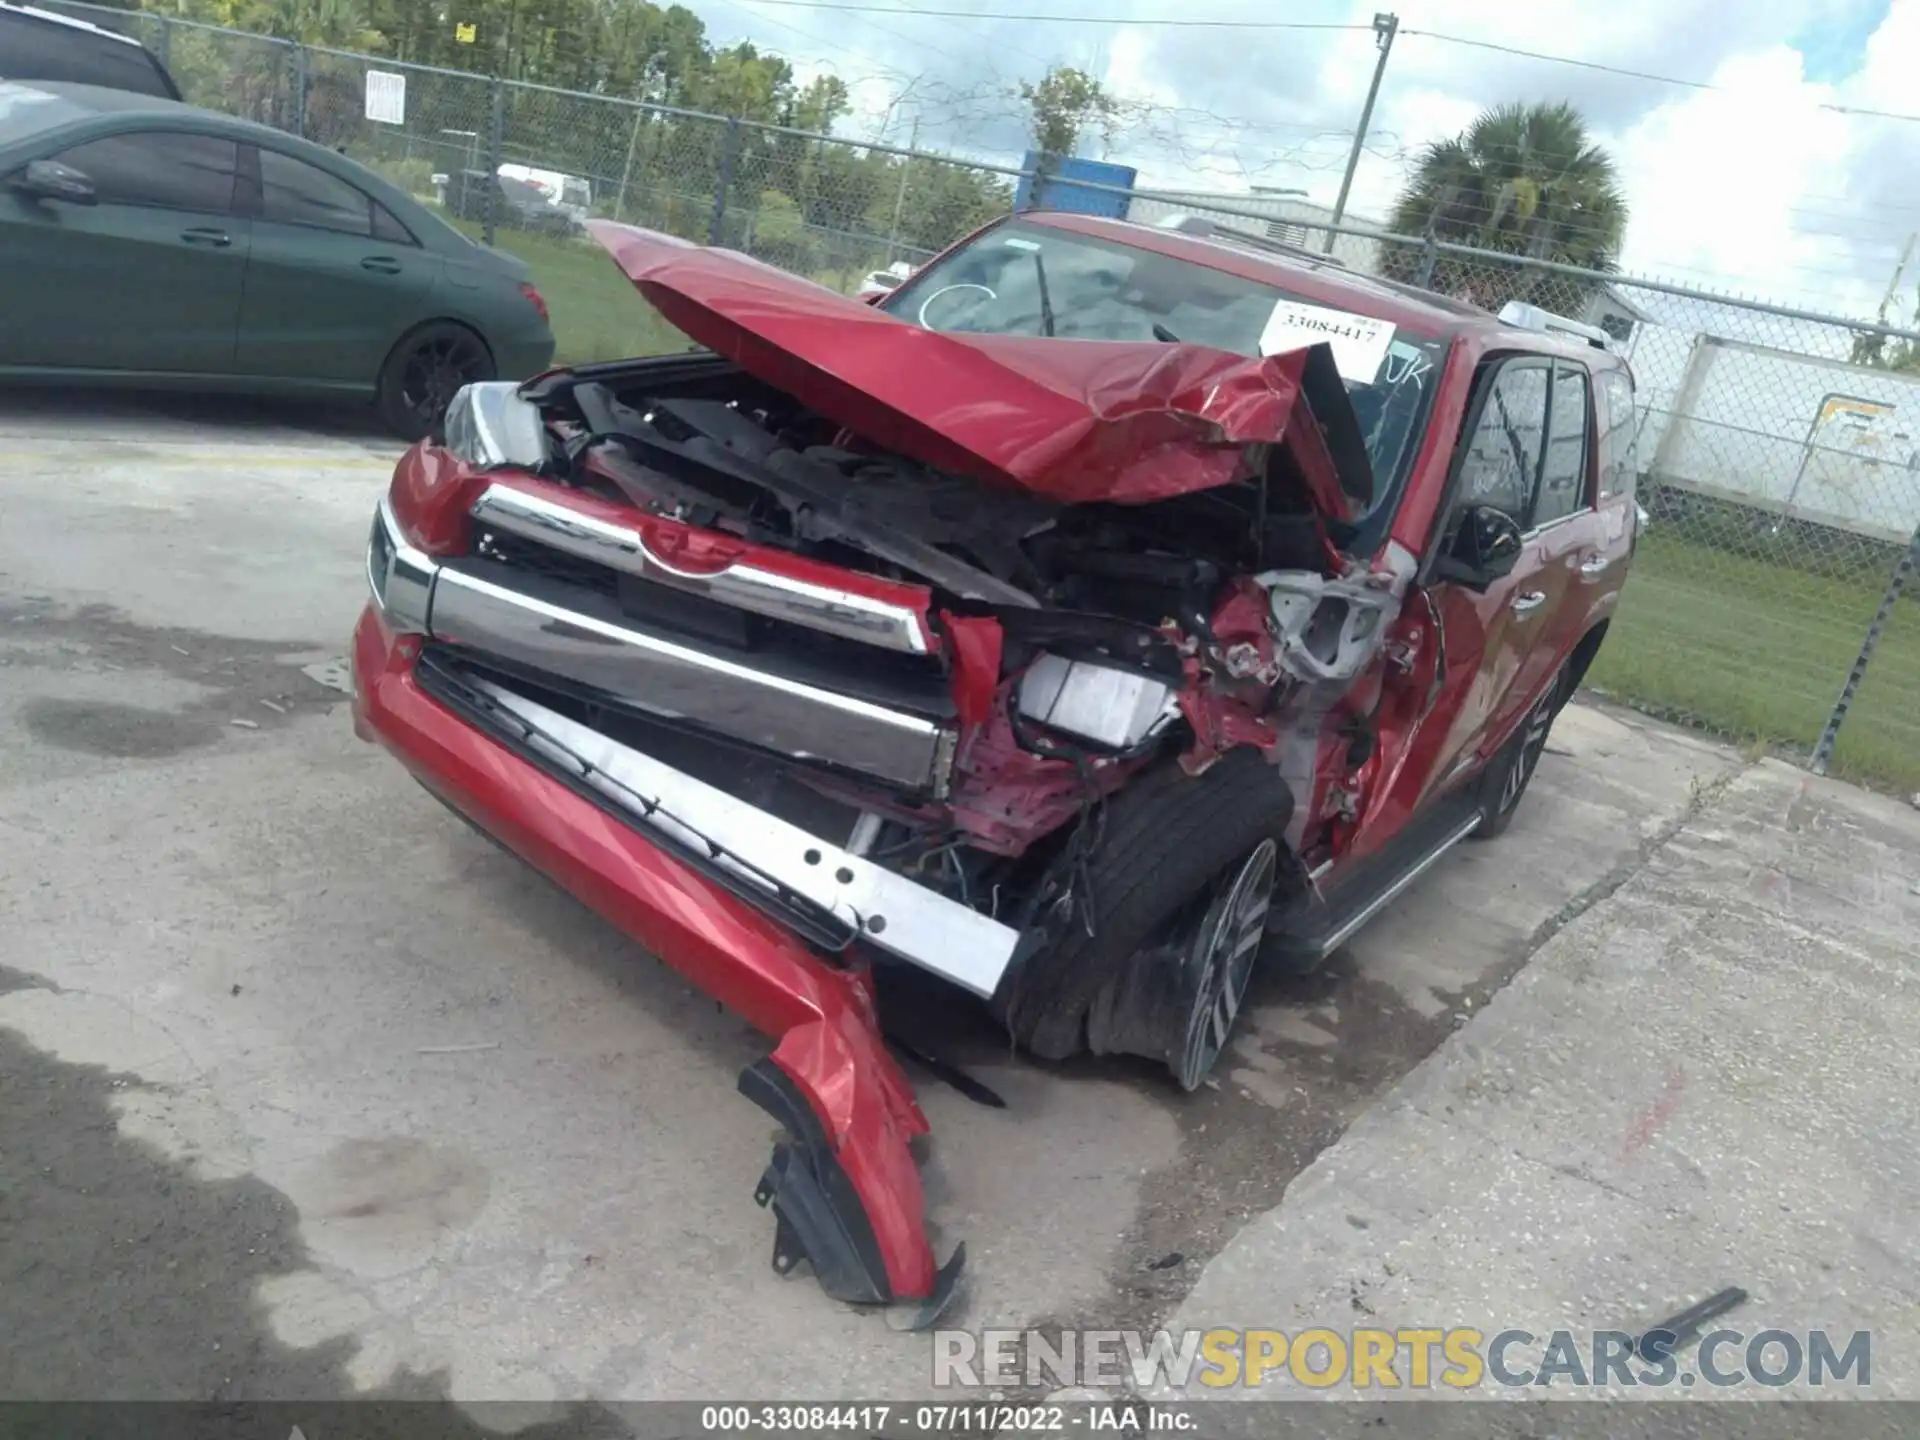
x: 488, y: 425
x: 1114, y: 708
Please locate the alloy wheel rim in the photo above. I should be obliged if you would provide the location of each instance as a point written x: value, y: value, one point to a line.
x: 435, y: 372
x: 1228, y: 942
x: 1533, y: 743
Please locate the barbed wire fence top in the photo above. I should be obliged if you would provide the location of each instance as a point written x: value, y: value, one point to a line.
x: 1781, y: 476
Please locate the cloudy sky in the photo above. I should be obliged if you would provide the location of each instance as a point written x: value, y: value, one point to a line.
x: 1757, y: 182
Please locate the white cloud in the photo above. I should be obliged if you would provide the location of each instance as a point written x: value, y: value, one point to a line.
x: 1750, y: 187
x: 1717, y: 180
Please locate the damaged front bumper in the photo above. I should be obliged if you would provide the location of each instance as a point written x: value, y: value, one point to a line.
x: 765, y: 858
x: 716, y: 891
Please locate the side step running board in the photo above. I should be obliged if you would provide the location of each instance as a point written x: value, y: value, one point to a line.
x: 1386, y: 897
x: 1303, y: 934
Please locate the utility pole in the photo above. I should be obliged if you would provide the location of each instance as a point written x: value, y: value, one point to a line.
x: 900, y: 199
x: 1385, y: 27
x: 1899, y: 269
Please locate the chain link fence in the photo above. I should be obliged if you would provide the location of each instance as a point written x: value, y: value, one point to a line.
x: 1779, y: 451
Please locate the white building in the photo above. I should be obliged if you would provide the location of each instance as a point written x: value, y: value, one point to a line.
x: 1278, y: 214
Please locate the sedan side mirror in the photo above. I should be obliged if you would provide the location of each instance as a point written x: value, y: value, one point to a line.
x: 1482, y: 547
x: 50, y: 180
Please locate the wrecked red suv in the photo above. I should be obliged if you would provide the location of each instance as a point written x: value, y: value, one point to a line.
x: 1108, y: 610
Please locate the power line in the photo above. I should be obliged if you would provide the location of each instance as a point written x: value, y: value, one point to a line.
x: 1561, y: 60
x: 1056, y: 18
x: 1876, y: 114
x: 1170, y: 23
x: 1828, y: 105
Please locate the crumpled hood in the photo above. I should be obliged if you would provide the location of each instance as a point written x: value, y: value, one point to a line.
x: 1071, y: 420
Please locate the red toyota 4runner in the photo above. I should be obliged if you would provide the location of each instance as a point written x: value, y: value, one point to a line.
x: 1106, y: 611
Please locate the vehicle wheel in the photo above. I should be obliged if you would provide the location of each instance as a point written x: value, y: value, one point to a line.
x: 1507, y: 777
x: 423, y: 371
x: 1175, y: 877
x: 1218, y: 963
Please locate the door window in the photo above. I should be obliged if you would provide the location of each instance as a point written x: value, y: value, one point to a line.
x: 1618, y: 462
x: 1502, y: 461
x: 293, y: 192
x: 1563, y: 473
x: 167, y: 170
x: 389, y: 229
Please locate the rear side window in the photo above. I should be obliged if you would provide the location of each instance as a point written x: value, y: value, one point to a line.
x: 1563, y: 473
x: 386, y: 227
x: 36, y: 49
x: 167, y: 170
x: 1618, y: 461
x: 293, y: 192
x: 1503, y: 453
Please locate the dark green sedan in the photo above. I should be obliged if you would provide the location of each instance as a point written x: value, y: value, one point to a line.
x: 148, y: 243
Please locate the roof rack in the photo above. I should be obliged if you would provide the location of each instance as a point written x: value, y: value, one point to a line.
x: 1523, y: 316
x: 1210, y: 229
x: 72, y: 22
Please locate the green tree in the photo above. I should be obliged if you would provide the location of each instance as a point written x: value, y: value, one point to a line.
x: 1525, y: 180
x: 1063, y: 106
x: 1876, y: 349
x: 937, y: 201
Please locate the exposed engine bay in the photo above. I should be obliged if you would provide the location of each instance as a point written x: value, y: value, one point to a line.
x: 711, y: 446
x: 1068, y: 646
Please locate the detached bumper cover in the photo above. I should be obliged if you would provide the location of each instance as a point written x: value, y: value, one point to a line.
x: 847, y: 1193
x: 764, y: 856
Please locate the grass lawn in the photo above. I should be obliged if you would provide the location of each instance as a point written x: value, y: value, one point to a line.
x: 597, y: 314
x: 1760, y: 651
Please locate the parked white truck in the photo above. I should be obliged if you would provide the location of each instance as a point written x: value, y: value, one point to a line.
x: 572, y: 193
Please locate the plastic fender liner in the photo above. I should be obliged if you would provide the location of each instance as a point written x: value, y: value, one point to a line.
x: 843, y: 1187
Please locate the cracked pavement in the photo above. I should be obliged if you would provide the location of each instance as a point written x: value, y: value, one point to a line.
x: 1703, y: 1081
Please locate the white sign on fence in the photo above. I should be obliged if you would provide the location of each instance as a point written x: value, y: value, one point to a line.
x: 386, y: 97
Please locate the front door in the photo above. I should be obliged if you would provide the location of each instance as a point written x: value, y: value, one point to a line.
x: 147, y: 279
x: 1490, y: 637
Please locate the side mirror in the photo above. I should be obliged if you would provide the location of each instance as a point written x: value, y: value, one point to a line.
x: 1483, y: 545
x: 50, y: 180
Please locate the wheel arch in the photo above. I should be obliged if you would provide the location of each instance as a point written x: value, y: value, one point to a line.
x: 411, y: 423
x: 414, y: 329
x: 1582, y: 656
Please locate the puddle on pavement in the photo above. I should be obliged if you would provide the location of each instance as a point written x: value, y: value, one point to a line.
x: 84, y: 670
x: 118, y: 732
x: 129, y: 1272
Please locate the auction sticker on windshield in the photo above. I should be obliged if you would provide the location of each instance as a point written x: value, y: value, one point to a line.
x: 1359, y: 341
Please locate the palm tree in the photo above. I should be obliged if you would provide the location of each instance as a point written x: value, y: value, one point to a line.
x: 1524, y: 180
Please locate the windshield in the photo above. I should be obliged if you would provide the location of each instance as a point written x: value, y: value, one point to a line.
x: 575, y: 192
x: 1025, y: 279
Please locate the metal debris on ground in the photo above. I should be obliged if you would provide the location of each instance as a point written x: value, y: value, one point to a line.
x: 1680, y: 1328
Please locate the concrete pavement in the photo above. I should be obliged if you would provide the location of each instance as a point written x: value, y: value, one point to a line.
x: 467, y: 1139
x: 1708, y: 1081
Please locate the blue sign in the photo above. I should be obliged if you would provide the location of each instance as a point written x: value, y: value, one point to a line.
x: 1058, y: 192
